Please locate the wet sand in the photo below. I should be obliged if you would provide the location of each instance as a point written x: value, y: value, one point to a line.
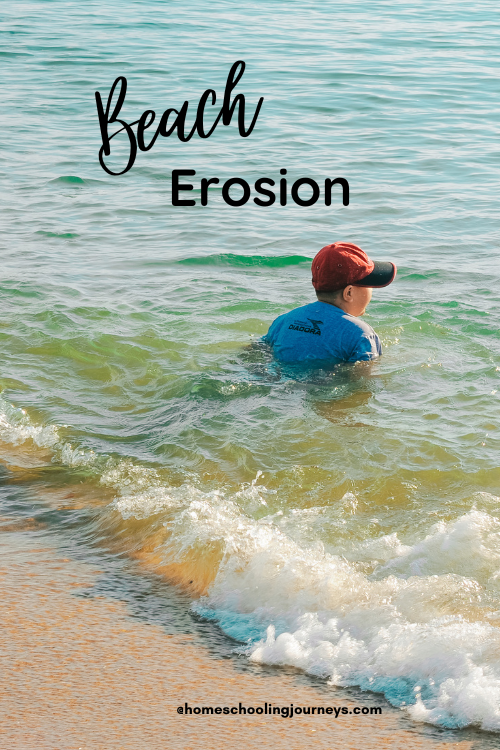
x: 85, y: 673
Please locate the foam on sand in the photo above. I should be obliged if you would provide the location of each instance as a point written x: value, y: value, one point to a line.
x: 418, y: 622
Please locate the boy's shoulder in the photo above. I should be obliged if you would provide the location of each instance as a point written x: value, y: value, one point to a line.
x: 321, y: 312
x: 319, y: 331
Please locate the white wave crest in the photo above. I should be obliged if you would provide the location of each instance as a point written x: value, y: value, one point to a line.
x: 17, y: 428
x: 422, y: 628
x: 427, y: 641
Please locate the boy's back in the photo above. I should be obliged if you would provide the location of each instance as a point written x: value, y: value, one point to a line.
x: 323, y: 332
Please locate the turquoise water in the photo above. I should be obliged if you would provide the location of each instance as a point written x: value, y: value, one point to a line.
x: 346, y: 524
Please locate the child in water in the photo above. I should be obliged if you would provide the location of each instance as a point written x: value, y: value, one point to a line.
x: 330, y: 330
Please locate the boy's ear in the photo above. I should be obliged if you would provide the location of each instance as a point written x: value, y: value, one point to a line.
x: 347, y: 293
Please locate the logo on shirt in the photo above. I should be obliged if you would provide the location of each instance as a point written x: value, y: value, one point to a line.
x: 312, y: 327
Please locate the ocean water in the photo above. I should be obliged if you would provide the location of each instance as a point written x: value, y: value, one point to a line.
x: 346, y: 522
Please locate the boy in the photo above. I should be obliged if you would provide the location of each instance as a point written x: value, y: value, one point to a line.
x: 329, y: 330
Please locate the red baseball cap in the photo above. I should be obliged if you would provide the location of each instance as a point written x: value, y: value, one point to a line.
x: 338, y: 265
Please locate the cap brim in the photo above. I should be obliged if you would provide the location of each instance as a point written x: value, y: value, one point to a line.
x: 382, y: 275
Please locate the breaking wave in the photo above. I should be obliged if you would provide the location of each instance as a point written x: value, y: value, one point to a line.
x: 417, y: 622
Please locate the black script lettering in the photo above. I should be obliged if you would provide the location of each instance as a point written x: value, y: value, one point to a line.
x: 228, y: 110
x: 142, y: 125
x: 180, y: 123
x: 163, y: 130
x: 105, y: 120
x: 176, y: 173
x: 201, y: 112
x: 146, y: 120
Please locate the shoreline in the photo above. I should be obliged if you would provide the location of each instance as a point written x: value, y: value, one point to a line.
x: 84, y: 671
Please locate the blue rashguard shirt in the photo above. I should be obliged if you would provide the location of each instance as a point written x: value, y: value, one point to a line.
x: 320, y: 331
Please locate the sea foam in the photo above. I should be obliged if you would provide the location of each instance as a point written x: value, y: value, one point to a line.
x: 17, y: 428
x: 429, y: 642
x: 422, y: 628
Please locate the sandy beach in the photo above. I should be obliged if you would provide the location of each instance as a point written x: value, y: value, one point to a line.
x: 86, y: 674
